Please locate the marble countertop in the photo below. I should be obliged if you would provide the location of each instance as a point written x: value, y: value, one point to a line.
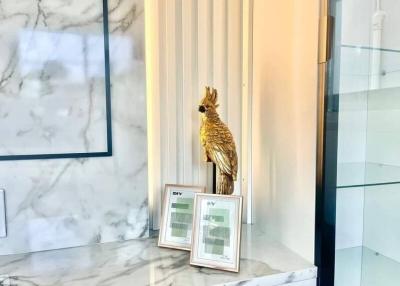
x: 141, y: 262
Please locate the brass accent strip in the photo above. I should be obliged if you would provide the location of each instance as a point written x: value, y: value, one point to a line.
x: 322, y: 69
x: 324, y: 54
x: 325, y: 43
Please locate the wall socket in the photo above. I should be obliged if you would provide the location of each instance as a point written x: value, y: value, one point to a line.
x: 3, y: 217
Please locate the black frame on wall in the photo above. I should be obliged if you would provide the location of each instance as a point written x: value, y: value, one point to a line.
x: 326, y: 186
x: 109, y: 151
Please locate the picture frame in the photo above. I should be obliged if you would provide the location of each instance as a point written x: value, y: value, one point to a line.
x: 216, y: 237
x: 177, y: 216
x: 56, y: 103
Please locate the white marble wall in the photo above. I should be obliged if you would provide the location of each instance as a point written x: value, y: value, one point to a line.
x: 70, y: 202
x: 52, y: 77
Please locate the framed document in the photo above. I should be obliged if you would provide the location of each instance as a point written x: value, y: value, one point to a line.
x: 216, y: 232
x: 177, y: 216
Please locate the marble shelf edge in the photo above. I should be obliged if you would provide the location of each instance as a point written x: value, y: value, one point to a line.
x: 277, y: 279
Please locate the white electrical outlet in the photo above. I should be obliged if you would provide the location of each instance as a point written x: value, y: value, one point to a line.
x: 3, y: 223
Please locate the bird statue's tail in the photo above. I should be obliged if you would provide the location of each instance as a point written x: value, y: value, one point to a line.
x: 225, y: 185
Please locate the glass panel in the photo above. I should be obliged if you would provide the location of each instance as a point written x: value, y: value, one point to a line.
x: 367, y: 80
x: 381, y: 248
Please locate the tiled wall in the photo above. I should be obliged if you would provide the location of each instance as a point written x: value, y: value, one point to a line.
x: 69, y: 202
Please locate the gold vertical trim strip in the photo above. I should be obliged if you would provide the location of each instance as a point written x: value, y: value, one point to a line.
x: 325, y: 32
x: 321, y: 122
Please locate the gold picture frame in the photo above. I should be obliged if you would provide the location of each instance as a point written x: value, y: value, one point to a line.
x: 177, y: 216
x: 217, y: 226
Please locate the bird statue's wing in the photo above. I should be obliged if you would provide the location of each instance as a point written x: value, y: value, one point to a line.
x: 222, y: 151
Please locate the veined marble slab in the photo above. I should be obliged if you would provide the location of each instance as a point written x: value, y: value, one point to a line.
x: 141, y: 262
x: 52, y: 77
x: 71, y: 202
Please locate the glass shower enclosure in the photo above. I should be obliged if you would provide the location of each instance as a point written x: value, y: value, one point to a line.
x: 362, y: 146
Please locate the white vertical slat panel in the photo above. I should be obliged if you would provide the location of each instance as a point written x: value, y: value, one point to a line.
x: 220, y: 37
x: 200, y: 44
x: 170, y: 109
x: 247, y: 61
x: 189, y: 40
x: 166, y: 172
x: 153, y: 107
x: 205, y: 77
x: 220, y: 34
x: 180, y: 113
x: 234, y: 78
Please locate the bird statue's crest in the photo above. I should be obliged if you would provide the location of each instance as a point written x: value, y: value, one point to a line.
x: 218, y: 142
x: 210, y: 98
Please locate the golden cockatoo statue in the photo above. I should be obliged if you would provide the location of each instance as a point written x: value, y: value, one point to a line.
x: 218, y: 143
